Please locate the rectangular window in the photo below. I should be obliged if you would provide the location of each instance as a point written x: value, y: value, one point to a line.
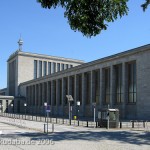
x: 67, y: 66
x: 107, y: 85
x: 60, y: 92
x: 49, y: 67
x: 118, y: 83
x: 35, y: 69
x: 54, y: 67
x: 132, y: 82
x: 66, y: 89
x: 40, y: 97
x: 37, y: 95
x: 87, y: 87
x: 58, y: 67
x: 54, y: 92
x: 33, y: 95
x: 40, y: 68
x: 79, y: 88
x: 97, y: 85
x: 45, y: 68
x: 62, y: 66
x: 72, y: 88
x: 49, y: 93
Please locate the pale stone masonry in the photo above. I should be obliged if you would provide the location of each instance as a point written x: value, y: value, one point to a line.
x: 23, y: 66
x: 120, y: 80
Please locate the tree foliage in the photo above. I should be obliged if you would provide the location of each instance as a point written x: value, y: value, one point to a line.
x: 90, y: 16
x: 145, y: 5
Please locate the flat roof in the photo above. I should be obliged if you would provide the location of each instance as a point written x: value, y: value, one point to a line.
x: 28, y: 54
x: 101, y: 60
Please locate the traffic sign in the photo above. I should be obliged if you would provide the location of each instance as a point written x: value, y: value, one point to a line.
x: 48, y: 108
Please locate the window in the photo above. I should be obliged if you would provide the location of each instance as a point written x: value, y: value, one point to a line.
x: 62, y: 66
x: 107, y: 85
x: 45, y: 68
x: 67, y: 66
x: 118, y: 83
x: 79, y: 88
x: 49, y: 93
x: 97, y: 85
x: 132, y: 82
x: 40, y: 68
x: 66, y: 89
x: 49, y: 67
x: 71, y: 90
x: 88, y: 87
x: 54, y: 67
x: 58, y: 67
x: 54, y: 92
x: 35, y: 69
x: 60, y: 92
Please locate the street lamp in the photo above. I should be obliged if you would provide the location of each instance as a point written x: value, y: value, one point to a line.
x: 78, y: 105
x: 25, y: 105
x: 12, y: 109
x: 94, y: 105
x: 45, y: 105
x: 70, y: 99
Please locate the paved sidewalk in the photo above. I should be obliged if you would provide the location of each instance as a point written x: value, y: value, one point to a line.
x: 68, y: 137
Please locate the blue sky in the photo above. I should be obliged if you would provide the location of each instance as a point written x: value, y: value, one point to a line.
x: 47, y: 32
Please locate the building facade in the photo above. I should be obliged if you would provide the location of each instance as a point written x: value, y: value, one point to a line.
x: 23, y: 66
x: 121, y: 80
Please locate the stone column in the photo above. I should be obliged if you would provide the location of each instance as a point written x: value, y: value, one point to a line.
x: 37, y: 68
x: 4, y: 105
x: 47, y: 68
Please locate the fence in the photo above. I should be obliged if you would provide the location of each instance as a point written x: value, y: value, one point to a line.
x: 19, y: 120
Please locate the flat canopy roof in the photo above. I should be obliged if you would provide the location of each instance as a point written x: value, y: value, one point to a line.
x: 6, y: 97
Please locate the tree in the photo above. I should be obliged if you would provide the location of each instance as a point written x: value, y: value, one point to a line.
x: 90, y: 16
x: 145, y: 5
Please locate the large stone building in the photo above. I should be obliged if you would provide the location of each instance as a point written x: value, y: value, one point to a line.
x: 120, y: 80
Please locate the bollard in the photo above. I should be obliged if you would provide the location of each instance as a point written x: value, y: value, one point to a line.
x: 44, y: 128
x: 120, y: 124
x: 96, y: 124
x: 78, y: 122
x: 63, y: 121
x: 87, y: 124
x: 56, y: 120
x: 132, y: 124
x: 144, y: 124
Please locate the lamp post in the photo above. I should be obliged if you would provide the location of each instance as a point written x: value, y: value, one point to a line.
x: 25, y: 105
x: 70, y: 99
x: 78, y: 105
x: 94, y: 105
x: 108, y: 118
x: 12, y: 109
x: 45, y: 105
